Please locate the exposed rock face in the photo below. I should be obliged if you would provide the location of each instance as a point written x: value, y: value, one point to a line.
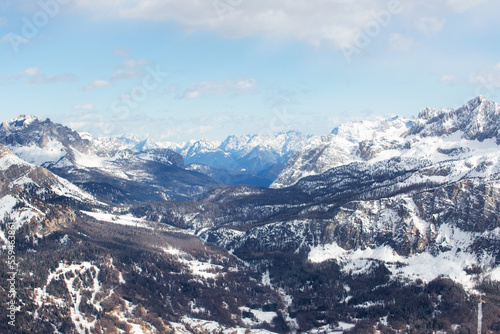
x: 36, y: 200
x: 354, y: 208
x: 477, y: 120
x: 30, y: 131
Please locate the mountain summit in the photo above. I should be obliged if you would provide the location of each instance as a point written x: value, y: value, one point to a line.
x: 370, y: 141
x: 479, y: 119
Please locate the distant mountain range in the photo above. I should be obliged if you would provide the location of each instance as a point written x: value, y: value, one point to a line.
x: 109, y: 168
x: 250, y: 159
x: 383, y: 226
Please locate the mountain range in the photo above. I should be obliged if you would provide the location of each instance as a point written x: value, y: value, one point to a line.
x: 250, y: 159
x: 106, y: 167
x: 383, y: 226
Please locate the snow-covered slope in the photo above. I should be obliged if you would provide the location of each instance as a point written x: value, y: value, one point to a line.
x: 20, y: 175
x: 30, y: 195
x: 437, y: 135
x: 353, y: 141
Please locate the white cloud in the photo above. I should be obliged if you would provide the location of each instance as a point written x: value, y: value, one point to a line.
x: 449, y: 79
x: 86, y: 107
x: 318, y: 22
x: 460, y: 6
x: 3, y: 21
x: 97, y: 84
x: 122, y: 52
x: 127, y: 74
x: 442, y: 8
x: 429, y: 25
x: 399, y: 42
x: 219, y: 88
x: 246, y: 84
x: 30, y: 71
x: 192, y: 94
x: 133, y: 63
x: 36, y: 77
x: 489, y: 79
x: 86, y: 121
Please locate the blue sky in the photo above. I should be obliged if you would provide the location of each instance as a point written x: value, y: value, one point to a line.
x: 175, y: 70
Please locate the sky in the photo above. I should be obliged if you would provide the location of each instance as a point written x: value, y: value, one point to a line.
x: 174, y: 70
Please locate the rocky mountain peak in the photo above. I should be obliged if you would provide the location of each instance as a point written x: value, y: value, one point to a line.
x: 29, y: 130
x: 478, y: 119
x: 373, y: 140
x: 432, y: 113
x: 130, y: 139
x: 23, y: 120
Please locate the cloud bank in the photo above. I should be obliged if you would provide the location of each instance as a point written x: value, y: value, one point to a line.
x: 318, y: 22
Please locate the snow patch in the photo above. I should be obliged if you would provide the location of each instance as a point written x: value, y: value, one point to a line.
x: 69, y: 274
x: 127, y: 220
x: 196, y: 267
x: 424, y: 266
x: 52, y: 152
x: 495, y: 274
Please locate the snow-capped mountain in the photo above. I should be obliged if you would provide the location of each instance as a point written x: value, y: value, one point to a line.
x: 43, y: 142
x: 252, y: 159
x: 236, y: 153
x: 384, y: 226
x: 439, y: 135
x: 353, y: 141
x: 114, y: 169
x: 20, y: 176
x: 477, y: 120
